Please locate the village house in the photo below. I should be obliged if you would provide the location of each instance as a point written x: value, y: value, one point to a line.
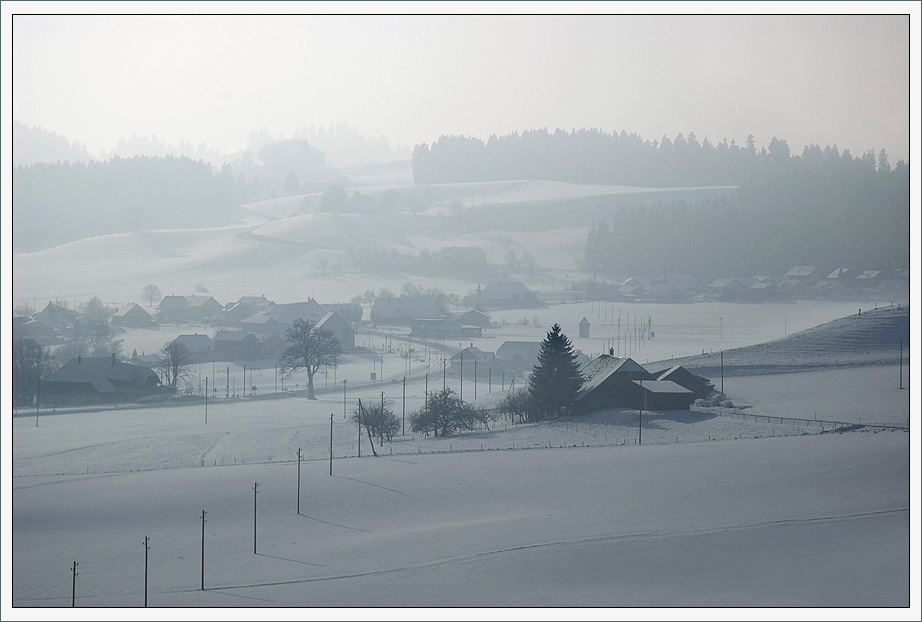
x: 475, y: 317
x: 132, y: 316
x: 98, y: 380
x: 276, y: 318
x: 464, y: 360
x: 726, y: 289
x: 611, y: 382
x: 236, y: 345
x: 199, y: 348
x: 174, y: 310
x: 352, y: 312
x: 204, y: 308
x: 517, y: 356
x: 56, y: 317
x: 341, y: 330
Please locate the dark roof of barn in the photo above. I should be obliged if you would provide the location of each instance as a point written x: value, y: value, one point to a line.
x: 99, y: 371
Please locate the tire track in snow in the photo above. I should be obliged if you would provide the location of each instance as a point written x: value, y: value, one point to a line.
x: 569, y: 542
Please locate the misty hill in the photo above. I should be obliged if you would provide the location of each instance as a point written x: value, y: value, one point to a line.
x: 872, y: 338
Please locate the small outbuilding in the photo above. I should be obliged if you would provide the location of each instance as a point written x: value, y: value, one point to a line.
x: 584, y: 328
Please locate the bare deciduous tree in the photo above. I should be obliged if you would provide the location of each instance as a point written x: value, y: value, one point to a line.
x: 174, y: 362
x: 309, y: 348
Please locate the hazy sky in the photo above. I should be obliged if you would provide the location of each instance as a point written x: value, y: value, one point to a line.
x: 212, y: 79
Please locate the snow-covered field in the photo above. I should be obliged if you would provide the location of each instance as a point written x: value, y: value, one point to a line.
x: 717, y: 508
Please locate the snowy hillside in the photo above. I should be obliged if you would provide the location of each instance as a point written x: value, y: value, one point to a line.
x: 287, y: 248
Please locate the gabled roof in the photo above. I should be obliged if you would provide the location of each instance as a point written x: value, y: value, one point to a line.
x: 596, y: 372
x: 288, y: 313
x: 584, y: 322
x: 256, y: 301
x: 196, y: 343
x: 173, y: 302
x: 527, y: 350
x: 55, y: 316
x: 800, y: 271
x: 868, y: 275
x: 197, y: 301
x: 100, y: 371
x: 473, y: 353
x: 232, y: 335
x: 724, y: 283
x: 334, y: 322
x: 131, y: 308
x: 841, y: 273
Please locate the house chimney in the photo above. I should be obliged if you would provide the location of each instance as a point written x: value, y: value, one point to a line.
x: 79, y: 359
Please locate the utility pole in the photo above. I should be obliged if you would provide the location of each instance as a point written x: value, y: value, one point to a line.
x: 255, y: 490
x: 490, y: 380
x: 299, y: 480
x: 426, y: 400
x: 461, y: 383
x: 38, y: 393
x: 640, y: 417
x: 206, y: 400
x: 404, y: 418
x: 721, y: 371
x: 344, y: 399
x: 331, y: 444
x: 443, y: 383
x: 227, y: 390
x: 73, y: 592
x: 203, y: 549
x: 901, y: 363
x: 475, y: 379
x: 146, y: 549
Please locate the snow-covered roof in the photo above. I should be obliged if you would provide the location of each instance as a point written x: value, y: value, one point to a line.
x: 100, y: 371
x: 661, y: 386
x: 596, y: 372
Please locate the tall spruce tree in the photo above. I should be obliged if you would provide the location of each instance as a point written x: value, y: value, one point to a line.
x: 555, y: 379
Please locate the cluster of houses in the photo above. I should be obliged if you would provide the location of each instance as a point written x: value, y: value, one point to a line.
x: 798, y: 282
x: 810, y: 281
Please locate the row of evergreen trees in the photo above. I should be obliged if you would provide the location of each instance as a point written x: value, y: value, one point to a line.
x: 591, y: 156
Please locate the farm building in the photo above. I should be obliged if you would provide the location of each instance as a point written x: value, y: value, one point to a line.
x: 340, y: 328
x: 700, y: 386
x: 56, y: 317
x: 97, y: 380
x: 174, y: 310
x: 517, y: 356
x: 132, y: 316
x: 236, y: 345
x: 621, y: 382
x: 200, y: 348
x: 584, y: 328
x: 475, y: 317
x: 466, y: 358
x: 203, y: 308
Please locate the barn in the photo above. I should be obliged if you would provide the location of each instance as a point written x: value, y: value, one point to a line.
x: 98, y: 379
x: 611, y: 382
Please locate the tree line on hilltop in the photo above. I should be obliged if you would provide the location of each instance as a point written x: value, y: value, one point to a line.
x: 819, y: 207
